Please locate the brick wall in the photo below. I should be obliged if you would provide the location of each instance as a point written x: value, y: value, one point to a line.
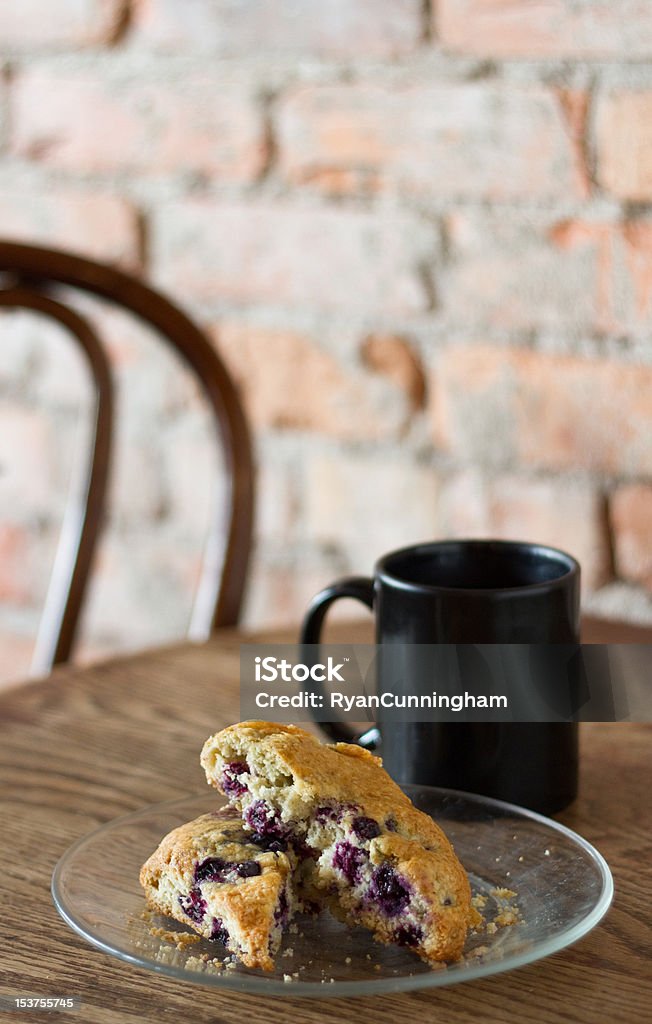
x: 419, y: 234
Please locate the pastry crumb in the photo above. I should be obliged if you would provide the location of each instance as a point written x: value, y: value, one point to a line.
x: 178, y: 939
x: 195, y: 963
x: 506, y: 917
x: 502, y: 893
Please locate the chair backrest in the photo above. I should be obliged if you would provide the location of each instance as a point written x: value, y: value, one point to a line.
x: 30, y: 279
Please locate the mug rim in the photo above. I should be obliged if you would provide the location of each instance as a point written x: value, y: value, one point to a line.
x: 383, y: 571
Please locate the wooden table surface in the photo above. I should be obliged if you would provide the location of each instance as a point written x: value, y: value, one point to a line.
x: 93, y: 743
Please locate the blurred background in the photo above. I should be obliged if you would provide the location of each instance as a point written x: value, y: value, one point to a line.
x: 420, y: 236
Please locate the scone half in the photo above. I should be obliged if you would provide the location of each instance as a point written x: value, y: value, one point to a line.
x: 366, y: 851
x: 208, y: 875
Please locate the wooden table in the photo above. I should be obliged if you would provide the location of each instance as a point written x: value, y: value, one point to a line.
x: 90, y: 744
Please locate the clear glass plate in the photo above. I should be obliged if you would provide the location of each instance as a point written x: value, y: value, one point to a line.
x: 563, y: 888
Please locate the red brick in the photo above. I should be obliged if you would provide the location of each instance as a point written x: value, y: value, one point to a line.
x: 35, y: 25
x: 142, y: 590
x: 279, y: 594
x: 99, y: 226
x: 365, y: 505
x: 21, y: 349
x: 566, y: 514
x: 574, y: 105
x: 89, y: 122
x: 535, y: 272
x: 624, y: 144
x: 623, y: 269
x: 272, y: 252
x: 14, y: 544
x: 513, y: 272
x: 43, y: 362
x: 552, y: 411
x: 471, y: 139
x: 376, y: 28
x: 287, y: 380
x: 155, y: 381
x: 190, y: 475
x: 28, y: 461
x: 631, y: 519
x: 137, y: 491
x: 392, y: 357
x: 17, y: 649
x: 546, y: 28
x: 278, y: 501
x: 632, y: 298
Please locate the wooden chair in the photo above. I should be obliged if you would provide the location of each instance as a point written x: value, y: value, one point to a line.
x: 29, y: 279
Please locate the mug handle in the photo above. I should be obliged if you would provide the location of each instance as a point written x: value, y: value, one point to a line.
x: 361, y: 588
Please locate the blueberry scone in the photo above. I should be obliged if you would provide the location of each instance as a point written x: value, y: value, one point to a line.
x: 364, y: 850
x: 208, y: 875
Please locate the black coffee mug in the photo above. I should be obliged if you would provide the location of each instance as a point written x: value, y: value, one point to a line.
x: 471, y: 592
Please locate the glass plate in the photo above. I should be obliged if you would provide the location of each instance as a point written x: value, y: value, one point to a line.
x: 563, y: 888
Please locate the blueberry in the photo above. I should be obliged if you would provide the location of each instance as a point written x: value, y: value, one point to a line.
x: 349, y: 860
x: 277, y: 845
x: 269, y: 843
x: 408, y: 935
x: 365, y: 828
x: 391, y: 824
x: 333, y: 812
x: 216, y: 870
x: 194, y: 905
x: 213, y: 869
x: 324, y: 814
x: 219, y: 932
x: 263, y: 821
x: 247, y: 868
x: 388, y: 890
x: 230, y: 782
